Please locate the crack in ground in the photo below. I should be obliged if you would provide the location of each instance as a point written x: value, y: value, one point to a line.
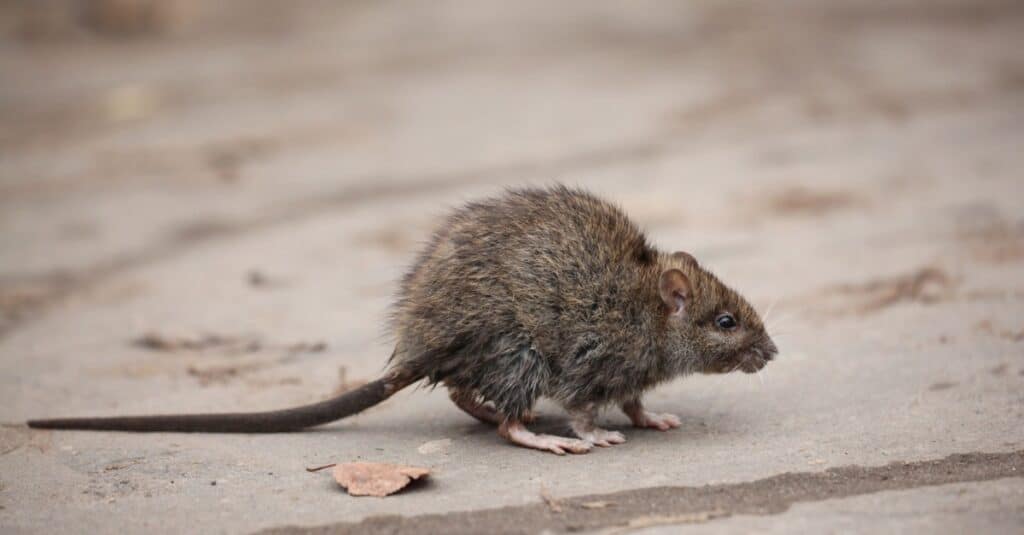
x: 679, y: 505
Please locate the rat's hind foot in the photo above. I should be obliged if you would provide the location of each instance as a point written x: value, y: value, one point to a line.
x: 653, y: 420
x: 483, y: 411
x: 515, y: 432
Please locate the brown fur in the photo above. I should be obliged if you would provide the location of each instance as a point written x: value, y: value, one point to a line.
x: 554, y: 292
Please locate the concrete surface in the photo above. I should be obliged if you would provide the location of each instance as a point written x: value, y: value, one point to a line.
x: 256, y: 180
x: 994, y: 507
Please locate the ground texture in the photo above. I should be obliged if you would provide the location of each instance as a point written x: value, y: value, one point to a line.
x: 214, y: 217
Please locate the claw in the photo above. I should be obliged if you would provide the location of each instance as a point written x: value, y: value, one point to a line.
x: 659, y: 421
x: 643, y: 418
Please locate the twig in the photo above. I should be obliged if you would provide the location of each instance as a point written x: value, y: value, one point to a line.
x: 319, y: 468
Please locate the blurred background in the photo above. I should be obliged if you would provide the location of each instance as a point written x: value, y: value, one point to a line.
x: 207, y: 204
x: 137, y: 129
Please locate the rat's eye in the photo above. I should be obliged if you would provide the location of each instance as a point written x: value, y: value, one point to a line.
x: 725, y: 322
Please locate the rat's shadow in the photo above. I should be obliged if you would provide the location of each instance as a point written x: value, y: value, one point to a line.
x: 696, y: 425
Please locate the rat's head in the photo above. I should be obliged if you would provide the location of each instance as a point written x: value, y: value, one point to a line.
x: 710, y: 326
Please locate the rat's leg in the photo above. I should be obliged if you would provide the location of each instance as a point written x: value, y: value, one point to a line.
x: 642, y: 418
x: 515, y: 432
x: 481, y: 410
x: 583, y: 425
x: 469, y: 402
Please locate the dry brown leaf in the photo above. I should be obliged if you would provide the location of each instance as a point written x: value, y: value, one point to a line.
x: 376, y: 479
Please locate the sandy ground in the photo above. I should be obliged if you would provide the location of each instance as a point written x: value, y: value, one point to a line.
x: 248, y: 185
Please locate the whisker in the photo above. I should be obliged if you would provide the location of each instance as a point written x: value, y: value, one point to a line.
x: 768, y: 311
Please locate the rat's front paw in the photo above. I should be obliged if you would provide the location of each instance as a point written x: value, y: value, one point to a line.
x: 659, y: 421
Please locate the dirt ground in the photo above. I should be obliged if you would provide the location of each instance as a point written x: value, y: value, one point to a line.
x: 206, y: 207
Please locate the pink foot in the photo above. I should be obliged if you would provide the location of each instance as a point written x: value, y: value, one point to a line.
x: 651, y: 420
x: 516, y: 433
x: 654, y: 420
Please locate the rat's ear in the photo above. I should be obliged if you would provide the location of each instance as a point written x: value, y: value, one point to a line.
x: 685, y: 258
x: 675, y: 291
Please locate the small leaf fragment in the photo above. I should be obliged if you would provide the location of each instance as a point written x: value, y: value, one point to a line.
x: 376, y: 479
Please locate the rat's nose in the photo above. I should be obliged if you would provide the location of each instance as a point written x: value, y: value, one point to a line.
x: 770, y: 350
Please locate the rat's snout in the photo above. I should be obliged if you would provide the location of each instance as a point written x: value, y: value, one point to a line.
x: 749, y: 359
x: 758, y: 357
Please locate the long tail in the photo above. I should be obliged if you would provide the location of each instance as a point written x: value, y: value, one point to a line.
x: 280, y: 421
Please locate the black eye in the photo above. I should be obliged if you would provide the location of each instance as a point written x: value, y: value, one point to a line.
x: 725, y: 321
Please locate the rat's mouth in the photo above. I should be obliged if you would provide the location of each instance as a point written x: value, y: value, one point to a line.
x: 756, y: 358
x: 752, y: 364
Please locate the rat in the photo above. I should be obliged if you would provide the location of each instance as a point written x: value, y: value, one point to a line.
x: 538, y: 292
